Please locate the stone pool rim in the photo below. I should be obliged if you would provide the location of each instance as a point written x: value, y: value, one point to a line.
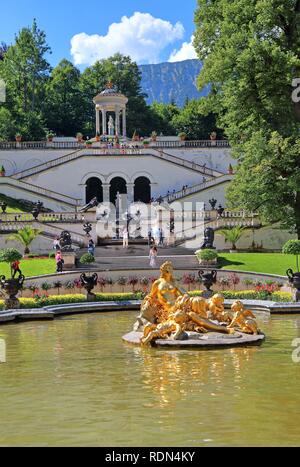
x: 53, y: 311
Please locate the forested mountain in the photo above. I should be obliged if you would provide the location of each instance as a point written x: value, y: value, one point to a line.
x: 171, y: 82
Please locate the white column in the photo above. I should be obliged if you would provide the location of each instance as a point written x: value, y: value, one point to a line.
x: 104, y: 125
x: 124, y: 123
x: 97, y: 121
x: 117, y: 122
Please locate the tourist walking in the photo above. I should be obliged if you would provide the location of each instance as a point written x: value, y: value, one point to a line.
x: 59, y: 262
x: 56, y: 244
x: 125, y: 238
x: 15, y: 268
x: 153, y: 257
x: 91, y: 247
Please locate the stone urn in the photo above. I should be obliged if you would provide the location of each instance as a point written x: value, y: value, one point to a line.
x: 208, y: 279
x: 294, y: 279
x: 11, y: 288
x: 89, y: 283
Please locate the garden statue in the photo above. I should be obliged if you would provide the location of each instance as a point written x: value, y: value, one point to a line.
x: 294, y: 280
x: 111, y: 127
x: 209, y: 238
x: 208, y: 279
x: 213, y: 203
x: 92, y: 204
x: 87, y: 228
x: 169, y: 316
x: 89, y: 282
x: 220, y: 211
x: 65, y: 241
x: 3, y: 206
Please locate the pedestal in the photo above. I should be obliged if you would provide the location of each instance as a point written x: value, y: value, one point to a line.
x: 69, y: 259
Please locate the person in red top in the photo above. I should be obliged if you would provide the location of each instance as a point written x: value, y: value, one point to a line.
x: 15, y: 267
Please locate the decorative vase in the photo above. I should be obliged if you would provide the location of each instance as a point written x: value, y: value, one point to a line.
x: 89, y: 283
x: 11, y: 288
x: 208, y: 279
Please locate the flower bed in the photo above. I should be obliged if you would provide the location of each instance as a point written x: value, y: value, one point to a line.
x: 40, y: 301
x: 252, y: 295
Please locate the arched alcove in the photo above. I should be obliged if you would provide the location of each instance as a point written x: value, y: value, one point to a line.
x: 94, y: 189
x: 117, y: 184
x: 142, y: 190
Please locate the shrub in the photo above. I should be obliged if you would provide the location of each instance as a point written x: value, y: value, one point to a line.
x: 87, y: 259
x: 189, y: 280
x: 207, y: 255
x: 292, y: 247
x: 133, y: 281
x: 234, y: 280
x: 122, y: 281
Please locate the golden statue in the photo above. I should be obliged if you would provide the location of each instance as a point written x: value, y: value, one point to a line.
x: 243, y: 320
x: 168, y: 311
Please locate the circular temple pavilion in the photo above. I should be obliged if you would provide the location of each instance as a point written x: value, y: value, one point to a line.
x: 107, y: 102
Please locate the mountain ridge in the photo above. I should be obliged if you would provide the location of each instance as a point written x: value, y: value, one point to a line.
x: 172, y: 81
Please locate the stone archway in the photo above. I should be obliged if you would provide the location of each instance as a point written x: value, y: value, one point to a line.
x: 94, y: 189
x: 142, y: 190
x: 117, y: 185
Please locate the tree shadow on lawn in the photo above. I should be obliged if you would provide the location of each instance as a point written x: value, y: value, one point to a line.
x: 224, y: 262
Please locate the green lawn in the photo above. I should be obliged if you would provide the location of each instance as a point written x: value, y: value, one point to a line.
x: 32, y: 267
x: 272, y: 263
x: 13, y: 205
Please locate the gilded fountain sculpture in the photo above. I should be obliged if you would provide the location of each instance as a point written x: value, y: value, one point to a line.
x: 169, y: 314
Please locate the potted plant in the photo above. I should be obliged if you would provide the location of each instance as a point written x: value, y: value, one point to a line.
x: 146, y: 143
x: 18, y: 138
x: 207, y: 258
x: 154, y: 136
x: 88, y: 144
x: 230, y: 169
x: 2, y: 171
x: 213, y: 136
x: 11, y: 286
x: 182, y: 136
x: 98, y: 137
x: 50, y: 136
x: 292, y: 247
x: 79, y: 137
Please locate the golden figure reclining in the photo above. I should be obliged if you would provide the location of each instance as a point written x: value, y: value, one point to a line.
x: 169, y: 312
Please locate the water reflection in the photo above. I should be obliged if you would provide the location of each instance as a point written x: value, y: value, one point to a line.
x: 74, y: 382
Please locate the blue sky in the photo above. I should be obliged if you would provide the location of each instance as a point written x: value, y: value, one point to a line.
x: 161, y: 32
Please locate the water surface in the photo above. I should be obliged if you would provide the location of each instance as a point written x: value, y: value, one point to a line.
x: 73, y: 382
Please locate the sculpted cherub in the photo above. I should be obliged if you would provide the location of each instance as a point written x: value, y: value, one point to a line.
x: 217, y: 309
x: 172, y: 328
x: 243, y: 320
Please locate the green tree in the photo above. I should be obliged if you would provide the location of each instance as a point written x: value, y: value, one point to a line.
x: 25, y: 71
x: 7, y: 125
x: 251, y: 52
x: 64, y: 101
x: 193, y: 121
x: 165, y: 114
x: 25, y: 237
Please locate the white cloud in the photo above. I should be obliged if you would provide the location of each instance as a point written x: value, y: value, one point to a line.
x: 141, y: 36
x: 186, y: 52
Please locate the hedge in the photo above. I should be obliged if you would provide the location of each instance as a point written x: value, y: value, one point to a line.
x: 28, y: 303
x: 251, y: 295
